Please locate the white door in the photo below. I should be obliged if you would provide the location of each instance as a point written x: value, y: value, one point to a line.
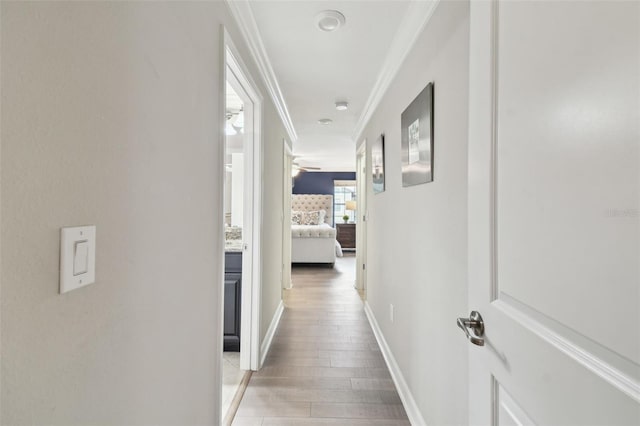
x: 554, y: 233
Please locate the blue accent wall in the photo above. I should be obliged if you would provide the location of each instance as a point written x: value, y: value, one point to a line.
x: 319, y: 182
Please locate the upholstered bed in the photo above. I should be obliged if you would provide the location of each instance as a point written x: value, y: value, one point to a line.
x: 311, y: 243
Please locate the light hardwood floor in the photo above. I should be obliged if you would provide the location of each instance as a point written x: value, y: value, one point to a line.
x: 324, y: 367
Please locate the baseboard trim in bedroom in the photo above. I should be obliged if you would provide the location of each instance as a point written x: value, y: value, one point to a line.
x: 410, y: 406
x: 271, y: 332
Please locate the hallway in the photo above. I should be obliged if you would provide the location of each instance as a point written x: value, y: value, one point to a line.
x: 324, y: 366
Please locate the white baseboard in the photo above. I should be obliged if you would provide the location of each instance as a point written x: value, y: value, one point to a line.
x: 410, y: 406
x: 271, y: 331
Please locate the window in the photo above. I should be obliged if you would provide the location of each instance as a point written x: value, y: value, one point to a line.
x: 343, y: 191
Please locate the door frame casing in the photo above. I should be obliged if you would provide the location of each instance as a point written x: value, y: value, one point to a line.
x: 287, y: 186
x: 252, y: 224
x: 361, y: 223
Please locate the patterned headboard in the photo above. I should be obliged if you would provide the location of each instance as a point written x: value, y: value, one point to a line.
x: 311, y: 202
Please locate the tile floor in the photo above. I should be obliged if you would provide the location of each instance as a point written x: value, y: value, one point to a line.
x: 324, y: 367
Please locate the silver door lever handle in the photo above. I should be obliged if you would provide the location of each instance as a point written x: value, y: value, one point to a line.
x: 476, y: 323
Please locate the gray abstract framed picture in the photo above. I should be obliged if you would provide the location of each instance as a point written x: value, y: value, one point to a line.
x: 417, y: 139
x: 377, y: 164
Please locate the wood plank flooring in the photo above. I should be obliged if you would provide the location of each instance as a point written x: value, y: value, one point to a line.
x: 324, y: 366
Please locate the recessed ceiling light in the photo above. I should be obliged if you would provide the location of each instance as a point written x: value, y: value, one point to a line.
x: 329, y: 20
x: 325, y: 121
x: 342, y: 105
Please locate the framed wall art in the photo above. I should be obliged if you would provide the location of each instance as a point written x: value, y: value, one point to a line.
x: 417, y: 139
x: 377, y: 165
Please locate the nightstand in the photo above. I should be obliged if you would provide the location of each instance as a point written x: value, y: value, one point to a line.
x: 346, y: 235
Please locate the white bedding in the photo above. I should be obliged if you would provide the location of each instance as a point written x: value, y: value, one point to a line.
x: 313, y: 244
x: 313, y: 231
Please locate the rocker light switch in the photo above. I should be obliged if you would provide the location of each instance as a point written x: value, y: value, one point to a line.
x: 81, y: 257
x: 77, y: 257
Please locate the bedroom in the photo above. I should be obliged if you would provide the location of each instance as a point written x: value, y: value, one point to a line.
x: 323, y: 216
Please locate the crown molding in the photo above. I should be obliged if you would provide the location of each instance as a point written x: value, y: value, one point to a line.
x: 415, y: 20
x: 243, y: 15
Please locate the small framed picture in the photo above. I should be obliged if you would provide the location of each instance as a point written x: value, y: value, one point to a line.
x: 377, y: 165
x: 417, y: 139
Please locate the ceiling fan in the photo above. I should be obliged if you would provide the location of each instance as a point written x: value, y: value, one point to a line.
x: 297, y: 166
x: 305, y: 169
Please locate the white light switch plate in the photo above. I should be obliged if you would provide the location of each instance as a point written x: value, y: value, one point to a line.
x: 77, y: 257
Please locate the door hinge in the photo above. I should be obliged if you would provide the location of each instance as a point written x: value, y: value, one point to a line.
x: 363, y: 266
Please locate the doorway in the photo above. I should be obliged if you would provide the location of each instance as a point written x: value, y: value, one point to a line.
x: 242, y: 228
x: 361, y: 223
x: 287, y: 183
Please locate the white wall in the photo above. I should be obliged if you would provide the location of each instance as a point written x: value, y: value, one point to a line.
x: 417, y: 236
x: 109, y: 117
x: 237, y: 189
x: 228, y: 193
x: 234, y: 144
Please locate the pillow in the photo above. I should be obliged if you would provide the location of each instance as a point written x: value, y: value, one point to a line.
x: 311, y: 218
x: 296, y: 217
x: 323, y: 214
x: 315, y: 217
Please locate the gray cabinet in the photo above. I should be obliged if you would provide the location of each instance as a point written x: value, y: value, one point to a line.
x: 232, y: 299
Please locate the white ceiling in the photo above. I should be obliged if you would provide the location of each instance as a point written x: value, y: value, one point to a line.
x: 316, y: 68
